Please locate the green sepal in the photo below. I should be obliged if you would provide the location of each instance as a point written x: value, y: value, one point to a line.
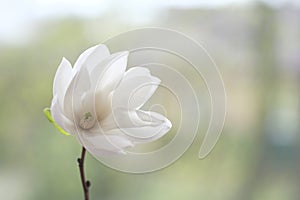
x: 47, y: 113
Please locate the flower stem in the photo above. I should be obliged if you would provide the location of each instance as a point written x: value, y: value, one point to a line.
x: 85, y: 184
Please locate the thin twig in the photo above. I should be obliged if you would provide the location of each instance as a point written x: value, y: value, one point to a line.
x: 85, y: 184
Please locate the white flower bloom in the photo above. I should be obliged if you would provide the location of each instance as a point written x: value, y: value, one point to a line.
x: 99, y: 102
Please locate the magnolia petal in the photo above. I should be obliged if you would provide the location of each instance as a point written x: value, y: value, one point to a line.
x: 102, y: 105
x: 92, y: 57
x: 62, y: 79
x: 136, y: 71
x: 59, y: 118
x: 133, y: 122
x: 107, y: 75
x: 100, y: 144
x: 123, y: 118
x: 105, y: 78
x: 134, y: 92
x: 114, y: 72
x: 82, y: 83
x: 76, y: 90
x: 147, y: 133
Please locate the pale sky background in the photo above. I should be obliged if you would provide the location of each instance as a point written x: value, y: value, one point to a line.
x: 17, y: 17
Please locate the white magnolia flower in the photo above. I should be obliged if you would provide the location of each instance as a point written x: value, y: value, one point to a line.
x: 99, y: 102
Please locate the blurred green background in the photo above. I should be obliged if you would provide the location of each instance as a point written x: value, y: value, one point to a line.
x: 256, y: 45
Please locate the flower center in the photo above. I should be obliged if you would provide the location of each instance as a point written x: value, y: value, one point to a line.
x: 87, y: 121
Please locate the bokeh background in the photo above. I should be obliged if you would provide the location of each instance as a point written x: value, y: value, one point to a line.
x: 256, y: 45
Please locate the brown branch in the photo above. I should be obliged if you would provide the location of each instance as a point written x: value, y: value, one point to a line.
x: 85, y: 184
